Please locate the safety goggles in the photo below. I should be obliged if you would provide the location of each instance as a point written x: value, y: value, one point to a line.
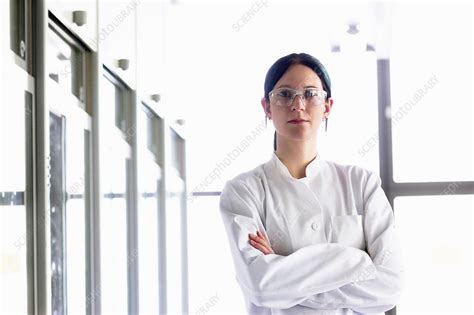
x: 285, y: 96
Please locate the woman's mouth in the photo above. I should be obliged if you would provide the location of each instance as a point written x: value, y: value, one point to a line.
x: 297, y: 121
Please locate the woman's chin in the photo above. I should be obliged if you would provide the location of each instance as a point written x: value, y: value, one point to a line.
x: 300, y: 135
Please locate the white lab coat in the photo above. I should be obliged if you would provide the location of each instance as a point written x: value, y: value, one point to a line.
x: 332, y: 232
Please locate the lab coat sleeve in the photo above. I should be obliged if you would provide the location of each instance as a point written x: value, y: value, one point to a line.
x: 381, y: 293
x: 277, y: 281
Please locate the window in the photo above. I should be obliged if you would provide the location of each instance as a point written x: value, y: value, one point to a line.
x: 433, y: 191
x: 18, y: 31
x: 67, y: 63
x: 436, y: 239
x: 69, y: 166
x: 115, y: 180
x: 149, y: 208
x: 16, y: 109
x: 211, y: 270
x: 432, y: 106
x: 176, y: 228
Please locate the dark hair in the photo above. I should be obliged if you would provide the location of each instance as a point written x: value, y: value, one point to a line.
x: 278, y: 69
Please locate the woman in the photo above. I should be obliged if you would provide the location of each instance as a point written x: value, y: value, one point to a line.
x: 309, y: 236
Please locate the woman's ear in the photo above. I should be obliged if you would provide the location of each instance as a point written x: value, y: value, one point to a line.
x: 266, y: 107
x: 328, y: 106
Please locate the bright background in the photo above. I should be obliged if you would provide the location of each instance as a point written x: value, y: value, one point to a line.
x: 214, y: 72
x: 220, y: 95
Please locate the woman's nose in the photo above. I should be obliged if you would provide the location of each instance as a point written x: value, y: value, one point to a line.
x: 298, y: 103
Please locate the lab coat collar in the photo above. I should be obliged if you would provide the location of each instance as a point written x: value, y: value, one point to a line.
x: 312, y: 169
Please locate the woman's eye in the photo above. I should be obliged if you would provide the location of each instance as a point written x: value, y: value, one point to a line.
x: 311, y: 93
x: 285, y: 94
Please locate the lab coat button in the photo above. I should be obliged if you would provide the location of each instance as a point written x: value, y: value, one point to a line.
x: 314, y: 226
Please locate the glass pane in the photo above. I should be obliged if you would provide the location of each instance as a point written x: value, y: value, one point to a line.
x: 154, y: 130
x: 177, y: 152
x: 118, y: 112
x: 148, y: 237
x: 68, y: 184
x: 149, y: 176
x: 12, y: 127
x: 66, y: 65
x: 436, y: 238
x: 57, y: 214
x: 13, y: 113
x: 75, y: 218
x: 174, y: 243
x: 123, y: 113
x: 431, y: 93
x: 17, y: 27
x: 13, y: 260
x: 113, y: 227
x: 211, y: 281
x: 113, y: 214
x: 107, y: 110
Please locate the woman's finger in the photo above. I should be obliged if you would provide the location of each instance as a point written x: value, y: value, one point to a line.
x: 264, y: 239
x: 260, y: 247
x: 259, y: 240
x: 263, y: 236
x: 262, y: 244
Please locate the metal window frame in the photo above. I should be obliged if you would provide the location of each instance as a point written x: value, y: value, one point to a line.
x: 39, y: 286
x: 162, y: 228
x: 159, y: 159
x: 30, y: 201
x: 171, y: 132
x: 55, y: 26
x: 130, y: 96
x: 164, y: 161
x: 41, y: 303
x: 28, y: 13
x: 28, y: 197
x: 394, y: 189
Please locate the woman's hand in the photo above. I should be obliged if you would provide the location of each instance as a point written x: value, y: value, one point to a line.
x: 261, y: 243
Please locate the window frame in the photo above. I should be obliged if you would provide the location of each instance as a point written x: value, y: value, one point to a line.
x: 391, y: 188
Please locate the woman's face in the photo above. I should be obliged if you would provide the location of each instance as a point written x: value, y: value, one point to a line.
x: 298, y: 77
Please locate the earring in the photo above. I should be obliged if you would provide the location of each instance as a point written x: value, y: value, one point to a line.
x: 326, y: 125
x: 267, y: 118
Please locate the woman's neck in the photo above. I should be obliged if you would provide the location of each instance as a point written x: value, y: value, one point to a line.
x: 296, y: 155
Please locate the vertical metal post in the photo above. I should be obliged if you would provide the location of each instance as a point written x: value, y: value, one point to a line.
x: 29, y: 201
x: 132, y: 206
x: 385, y: 133
x: 385, y: 126
x: 162, y: 195
x: 184, y: 236
x: 41, y: 222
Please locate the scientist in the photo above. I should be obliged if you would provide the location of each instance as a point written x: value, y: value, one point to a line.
x: 307, y: 235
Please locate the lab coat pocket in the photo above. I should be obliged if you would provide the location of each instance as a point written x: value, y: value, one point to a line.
x: 348, y: 230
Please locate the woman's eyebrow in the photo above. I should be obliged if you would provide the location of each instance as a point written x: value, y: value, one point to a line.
x: 306, y: 87
x: 283, y: 86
